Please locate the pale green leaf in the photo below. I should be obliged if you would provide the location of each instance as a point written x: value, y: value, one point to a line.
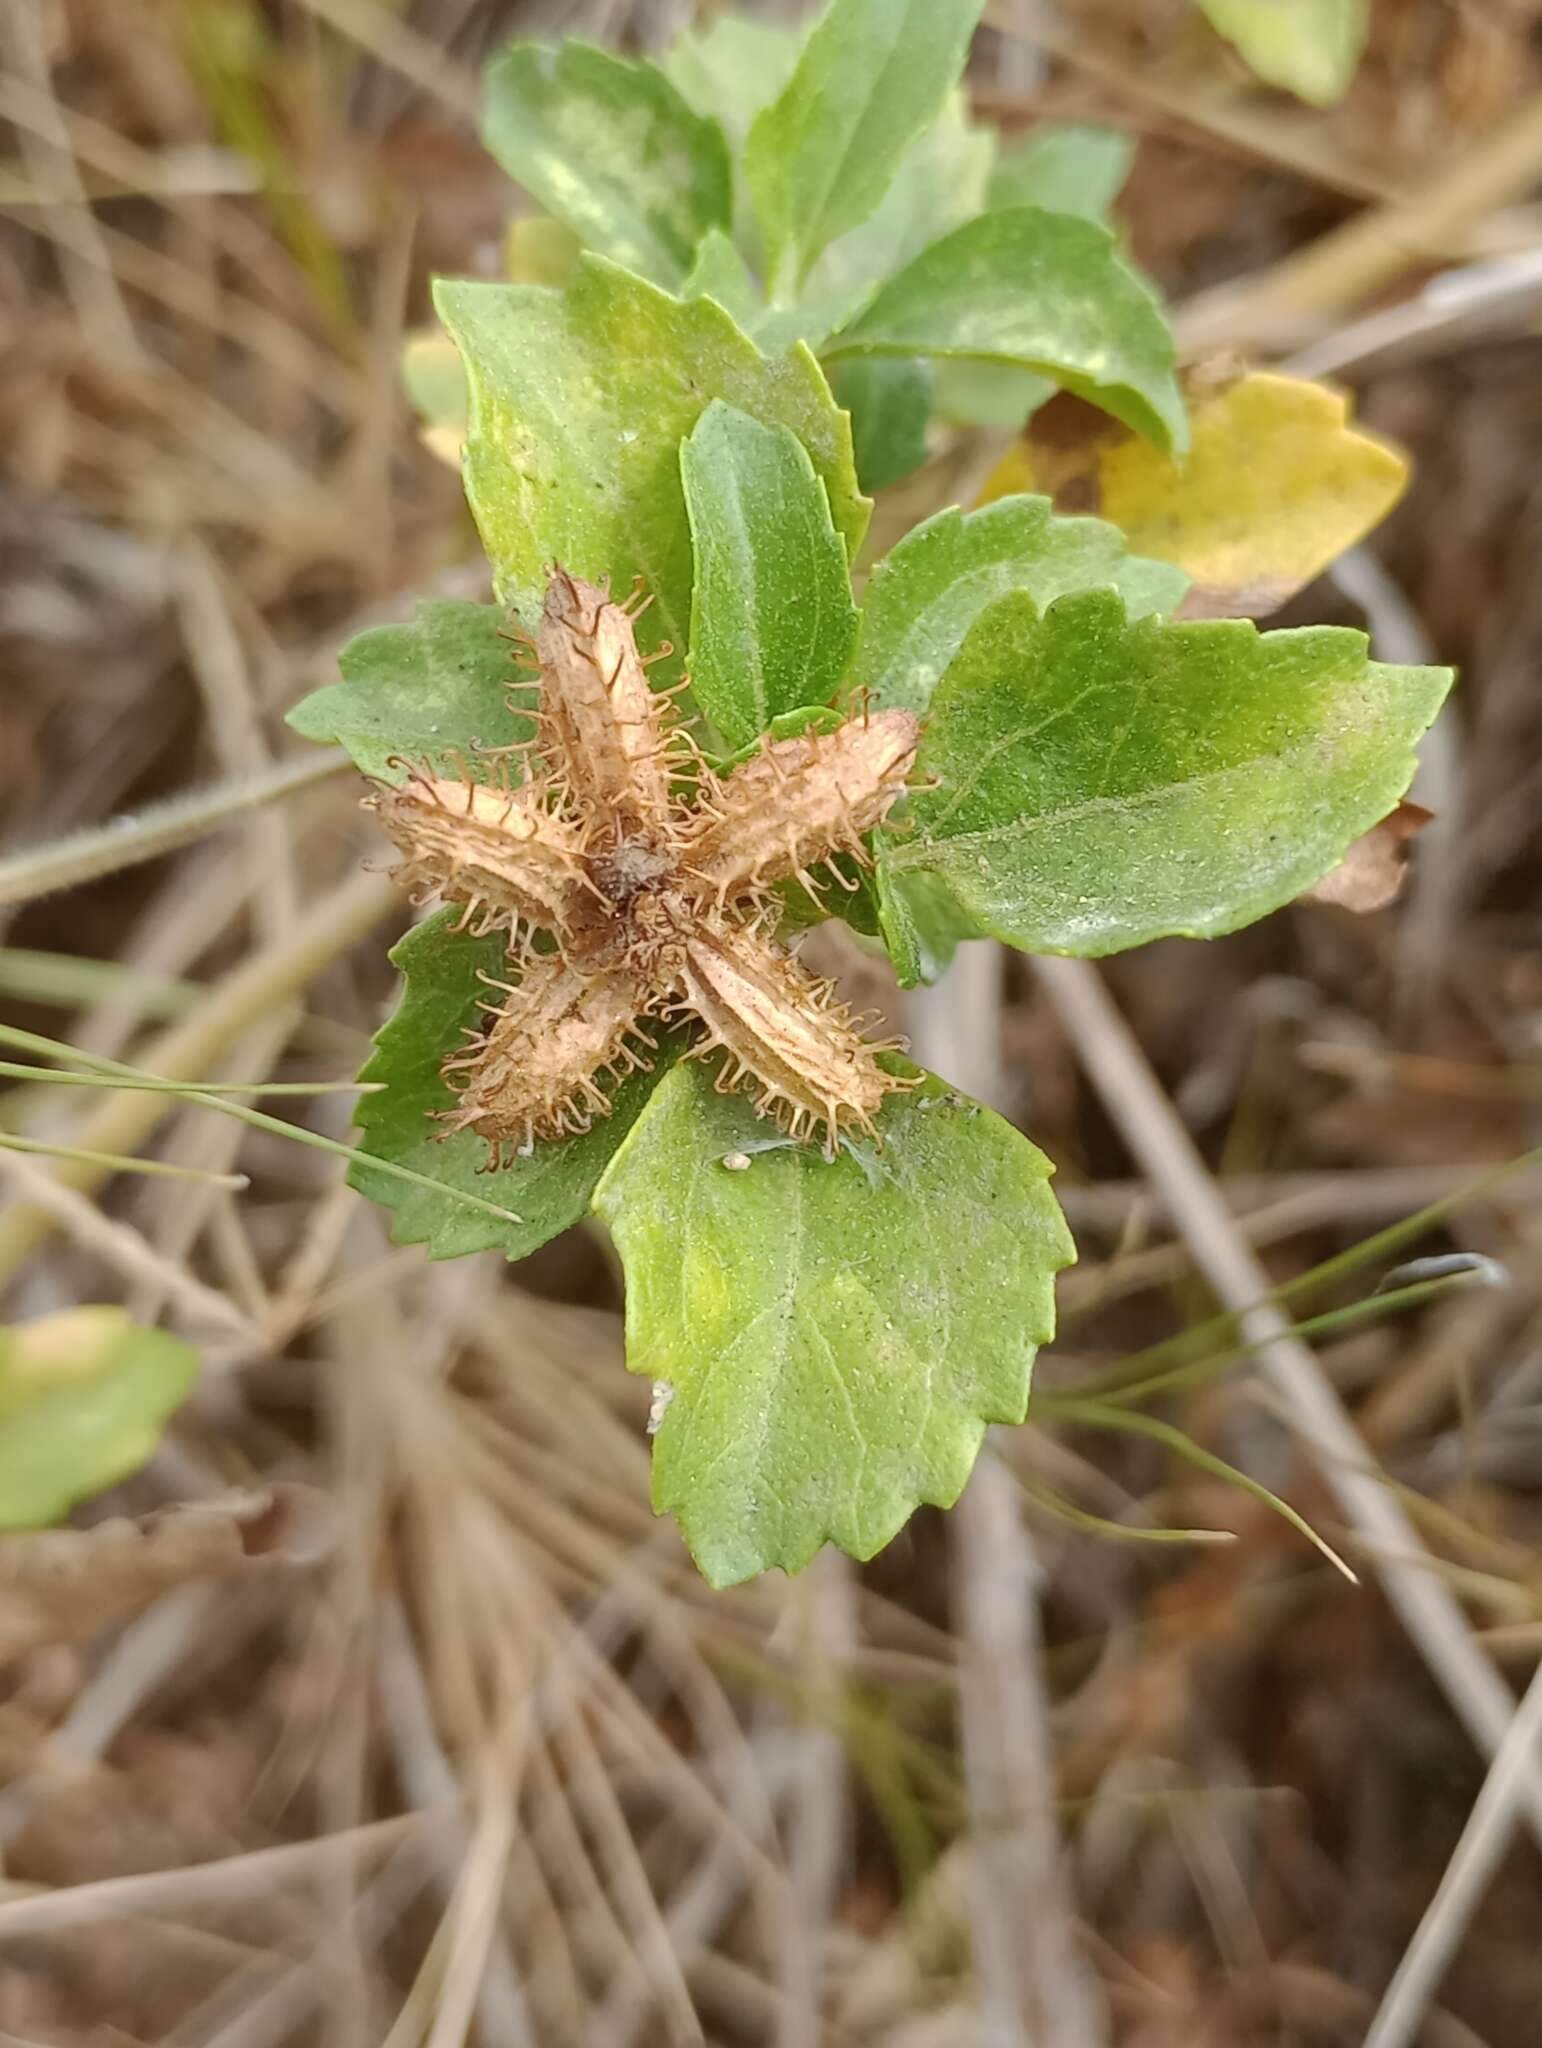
x: 1310, y: 47
x: 721, y: 273
x: 929, y: 590
x: 732, y: 68
x: 890, y: 400
x: 1105, y: 781
x: 942, y: 182
x: 987, y: 394
x: 434, y: 381
x: 1068, y: 170
x: 548, y: 1190
x: 772, y: 617
x: 1041, y: 291
x: 612, y: 149
x: 836, y: 1335
x: 85, y: 1396
x: 579, y: 403
x: 422, y: 692
x: 871, y: 78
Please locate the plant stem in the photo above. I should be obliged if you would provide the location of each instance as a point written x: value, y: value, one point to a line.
x: 125, y: 842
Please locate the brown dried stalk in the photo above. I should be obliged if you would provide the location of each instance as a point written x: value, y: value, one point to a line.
x: 653, y: 875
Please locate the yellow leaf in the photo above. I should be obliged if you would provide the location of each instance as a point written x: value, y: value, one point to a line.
x: 1276, y: 485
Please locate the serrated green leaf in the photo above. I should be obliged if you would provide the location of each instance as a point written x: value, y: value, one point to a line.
x: 772, y: 617
x: 890, y: 401
x: 1106, y: 781
x: 813, y: 1399
x: 1041, y: 291
x: 1074, y: 169
x: 612, y: 149
x: 942, y: 182
x: 548, y: 1191
x: 579, y: 403
x: 721, y: 273
x: 870, y: 79
x: 1310, y: 47
x: 929, y: 590
x: 425, y: 692
x: 85, y: 1396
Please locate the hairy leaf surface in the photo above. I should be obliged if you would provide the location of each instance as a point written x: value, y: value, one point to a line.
x: 929, y: 590
x: 423, y: 692
x: 837, y: 1335
x: 871, y: 77
x: 772, y: 617
x: 579, y: 403
x: 1105, y: 781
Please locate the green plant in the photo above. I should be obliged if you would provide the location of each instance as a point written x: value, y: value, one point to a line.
x: 1011, y: 736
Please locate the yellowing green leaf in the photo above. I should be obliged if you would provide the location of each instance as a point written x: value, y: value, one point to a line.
x: 1276, y: 485
x: 579, y: 403
x: 84, y: 1398
x: 435, y: 385
x: 1310, y: 47
x: 835, y: 1335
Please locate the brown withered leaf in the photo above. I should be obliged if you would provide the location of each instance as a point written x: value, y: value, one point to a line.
x: 1371, y: 874
x: 64, y: 1585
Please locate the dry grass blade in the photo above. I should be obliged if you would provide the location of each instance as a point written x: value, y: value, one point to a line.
x: 1158, y: 1139
x: 179, y: 821
x: 1033, y: 1987
x: 1471, y: 1869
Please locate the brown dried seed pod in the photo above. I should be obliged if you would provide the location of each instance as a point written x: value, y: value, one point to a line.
x: 533, y: 1075
x: 606, y: 734
x: 655, y: 895
x: 502, y: 853
x: 796, y: 802
x: 782, y: 1033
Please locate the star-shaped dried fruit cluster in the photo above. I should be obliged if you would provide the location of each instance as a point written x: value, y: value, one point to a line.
x: 634, y: 881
